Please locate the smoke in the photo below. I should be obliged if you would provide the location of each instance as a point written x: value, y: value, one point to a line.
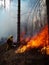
x: 8, y: 18
x: 8, y: 21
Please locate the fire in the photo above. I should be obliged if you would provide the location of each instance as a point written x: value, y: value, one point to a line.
x: 39, y: 40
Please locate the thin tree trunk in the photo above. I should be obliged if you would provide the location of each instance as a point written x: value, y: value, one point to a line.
x: 18, y: 24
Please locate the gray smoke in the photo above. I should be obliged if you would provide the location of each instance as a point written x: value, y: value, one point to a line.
x: 8, y: 18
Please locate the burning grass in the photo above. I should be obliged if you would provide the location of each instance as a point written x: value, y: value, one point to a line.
x: 38, y: 41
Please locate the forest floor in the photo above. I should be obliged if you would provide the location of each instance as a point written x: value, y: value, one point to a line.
x: 31, y: 57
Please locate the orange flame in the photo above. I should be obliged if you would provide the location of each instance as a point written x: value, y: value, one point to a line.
x: 39, y: 40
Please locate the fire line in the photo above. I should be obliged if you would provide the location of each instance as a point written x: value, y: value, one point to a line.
x: 37, y: 41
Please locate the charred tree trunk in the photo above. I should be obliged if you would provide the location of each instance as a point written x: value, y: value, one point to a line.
x: 18, y: 24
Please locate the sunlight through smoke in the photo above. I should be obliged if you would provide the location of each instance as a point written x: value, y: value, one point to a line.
x: 7, y: 2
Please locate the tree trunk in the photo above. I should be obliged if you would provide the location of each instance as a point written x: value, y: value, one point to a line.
x: 18, y: 24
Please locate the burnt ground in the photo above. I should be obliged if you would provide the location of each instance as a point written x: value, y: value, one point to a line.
x: 31, y: 57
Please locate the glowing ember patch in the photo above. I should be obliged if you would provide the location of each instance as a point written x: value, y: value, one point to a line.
x: 21, y: 49
x: 47, y: 50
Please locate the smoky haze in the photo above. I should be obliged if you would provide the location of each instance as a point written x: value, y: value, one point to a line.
x: 29, y: 17
x: 8, y: 19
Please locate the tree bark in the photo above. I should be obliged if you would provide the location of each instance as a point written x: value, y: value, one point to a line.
x: 18, y: 24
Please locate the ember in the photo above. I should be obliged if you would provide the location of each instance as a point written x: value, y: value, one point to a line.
x: 39, y: 40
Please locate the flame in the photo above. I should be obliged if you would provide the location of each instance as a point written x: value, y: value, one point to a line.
x: 39, y: 40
